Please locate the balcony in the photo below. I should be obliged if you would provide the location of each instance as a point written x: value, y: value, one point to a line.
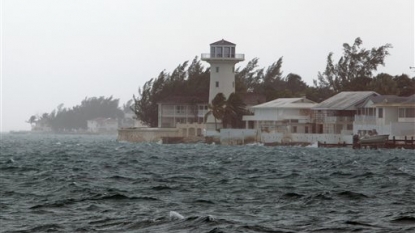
x: 338, y: 119
x: 363, y: 119
x: 222, y: 57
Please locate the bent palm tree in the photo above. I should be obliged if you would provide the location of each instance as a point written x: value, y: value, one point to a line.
x: 216, y: 108
x: 233, y: 111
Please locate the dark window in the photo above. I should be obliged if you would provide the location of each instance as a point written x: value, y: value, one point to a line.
x: 410, y: 112
x: 294, y: 129
x: 227, y: 52
x: 217, y: 69
x: 306, y: 129
x: 401, y: 112
x: 217, y: 84
x: 180, y: 109
x: 219, y: 52
x: 380, y: 112
x: 212, y: 51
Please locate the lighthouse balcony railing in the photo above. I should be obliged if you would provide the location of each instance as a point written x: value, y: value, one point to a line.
x: 236, y: 56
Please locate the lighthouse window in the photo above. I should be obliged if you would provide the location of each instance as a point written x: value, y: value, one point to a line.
x: 219, y: 51
x: 227, y: 51
x: 217, y: 69
x: 217, y: 84
x: 212, y: 51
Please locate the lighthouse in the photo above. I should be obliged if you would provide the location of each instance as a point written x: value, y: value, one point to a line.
x: 222, y: 59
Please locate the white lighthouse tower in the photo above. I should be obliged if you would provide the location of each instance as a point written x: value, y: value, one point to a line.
x: 222, y: 59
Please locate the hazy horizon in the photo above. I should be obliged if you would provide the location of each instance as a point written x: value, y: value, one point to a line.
x: 55, y: 52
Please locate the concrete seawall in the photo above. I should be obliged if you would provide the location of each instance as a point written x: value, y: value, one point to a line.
x: 146, y: 134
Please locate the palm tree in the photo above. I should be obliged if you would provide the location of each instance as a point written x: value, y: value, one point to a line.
x: 233, y: 111
x: 216, y: 108
x: 32, y: 120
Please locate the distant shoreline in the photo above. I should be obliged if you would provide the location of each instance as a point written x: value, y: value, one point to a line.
x: 23, y: 132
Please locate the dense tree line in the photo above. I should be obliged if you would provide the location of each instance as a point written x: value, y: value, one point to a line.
x: 75, y: 118
x: 353, y: 72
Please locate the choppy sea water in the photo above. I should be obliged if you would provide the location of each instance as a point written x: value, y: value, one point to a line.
x: 58, y: 183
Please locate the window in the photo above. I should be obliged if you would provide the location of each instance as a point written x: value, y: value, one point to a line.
x: 180, y: 109
x: 294, y: 129
x: 217, y: 84
x: 219, y: 52
x: 306, y: 129
x: 371, y: 112
x: 401, y: 112
x: 227, y: 52
x: 212, y: 51
x: 410, y: 112
x: 232, y: 51
x: 217, y: 69
x: 380, y: 112
x: 349, y: 126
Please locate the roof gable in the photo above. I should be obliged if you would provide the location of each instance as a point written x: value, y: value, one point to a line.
x: 222, y: 42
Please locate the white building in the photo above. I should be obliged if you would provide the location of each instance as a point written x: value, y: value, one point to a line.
x: 335, y: 115
x: 387, y: 114
x: 222, y: 59
x: 284, y: 115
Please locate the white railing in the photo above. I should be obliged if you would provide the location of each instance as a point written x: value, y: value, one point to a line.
x: 338, y: 119
x: 223, y: 56
x: 365, y: 119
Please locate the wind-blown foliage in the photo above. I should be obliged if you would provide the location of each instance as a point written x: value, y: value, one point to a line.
x: 184, y: 80
x: 216, y: 108
x: 76, y: 118
x: 354, y: 70
x: 233, y: 111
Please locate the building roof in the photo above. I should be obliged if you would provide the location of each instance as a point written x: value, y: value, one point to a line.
x: 287, y: 103
x: 390, y: 100
x: 376, y: 99
x: 346, y: 100
x: 410, y: 100
x: 180, y: 99
x: 222, y: 42
x: 251, y: 99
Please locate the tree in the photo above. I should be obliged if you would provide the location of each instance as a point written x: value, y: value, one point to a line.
x: 295, y: 85
x: 405, y: 85
x: 216, y: 108
x: 384, y: 85
x: 76, y: 118
x: 32, y: 120
x: 356, y: 65
x: 185, y: 80
x: 233, y: 111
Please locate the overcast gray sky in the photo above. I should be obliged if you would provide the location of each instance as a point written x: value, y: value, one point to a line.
x: 55, y: 52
